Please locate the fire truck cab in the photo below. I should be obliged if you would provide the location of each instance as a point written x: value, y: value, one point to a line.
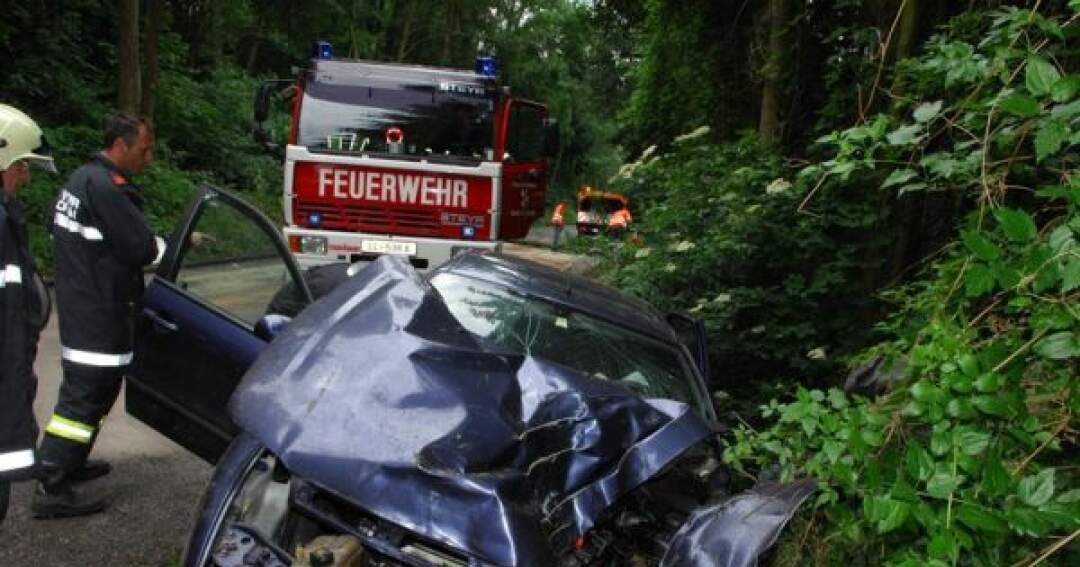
x: 418, y: 161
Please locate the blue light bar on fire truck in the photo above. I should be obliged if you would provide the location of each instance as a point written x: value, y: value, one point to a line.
x: 487, y: 67
x: 322, y: 50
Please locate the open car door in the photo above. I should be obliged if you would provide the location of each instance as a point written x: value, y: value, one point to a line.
x: 196, y: 329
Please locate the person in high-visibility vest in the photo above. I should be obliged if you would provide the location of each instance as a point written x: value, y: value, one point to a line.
x: 618, y: 221
x: 558, y: 222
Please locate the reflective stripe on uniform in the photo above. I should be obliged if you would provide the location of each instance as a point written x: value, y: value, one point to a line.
x: 70, y: 429
x: 161, y: 244
x: 71, y: 225
x: 16, y: 460
x: 95, y: 358
x: 10, y: 274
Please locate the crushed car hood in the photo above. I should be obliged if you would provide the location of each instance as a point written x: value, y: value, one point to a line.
x: 378, y: 395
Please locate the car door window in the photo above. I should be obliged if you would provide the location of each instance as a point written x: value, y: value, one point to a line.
x: 231, y: 263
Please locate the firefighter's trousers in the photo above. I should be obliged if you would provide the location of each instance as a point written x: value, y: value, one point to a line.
x: 17, y: 394
x: 87, y: 393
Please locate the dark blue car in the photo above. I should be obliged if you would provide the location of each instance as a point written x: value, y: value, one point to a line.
x: 489, y: 412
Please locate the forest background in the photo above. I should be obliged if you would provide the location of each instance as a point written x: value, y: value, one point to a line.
x: 878, y: 194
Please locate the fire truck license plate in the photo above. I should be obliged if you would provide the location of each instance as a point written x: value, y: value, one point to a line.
x: 388, y: 247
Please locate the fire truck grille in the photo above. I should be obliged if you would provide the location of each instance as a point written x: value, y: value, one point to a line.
x: 360, y: 218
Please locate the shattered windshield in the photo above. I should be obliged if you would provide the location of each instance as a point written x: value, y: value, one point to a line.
x: 524, y: 325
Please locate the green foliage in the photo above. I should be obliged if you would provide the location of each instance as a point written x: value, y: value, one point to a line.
x: 967, y: 459
x: 721, y: 236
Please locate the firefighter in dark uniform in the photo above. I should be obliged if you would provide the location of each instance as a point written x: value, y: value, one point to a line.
x: 23, y: 303
x: 101, y: 243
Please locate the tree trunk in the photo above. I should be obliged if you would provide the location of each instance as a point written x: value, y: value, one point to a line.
x: 128, y: 95
x: 406, y: 32
x: 152, y: 25
x: 906, y: 36
x: 452, y: 9
x: 775, y: 65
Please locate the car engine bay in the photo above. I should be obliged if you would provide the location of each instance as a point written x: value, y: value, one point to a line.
x: 278, y: 520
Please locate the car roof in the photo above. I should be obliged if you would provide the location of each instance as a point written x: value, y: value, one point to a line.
x: 569, y: 290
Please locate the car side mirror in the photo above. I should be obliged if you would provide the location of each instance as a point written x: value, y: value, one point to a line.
x: 551, y: 138
x: 270, y: 326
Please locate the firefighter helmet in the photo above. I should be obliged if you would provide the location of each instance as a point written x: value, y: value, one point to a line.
x: 21, y: 139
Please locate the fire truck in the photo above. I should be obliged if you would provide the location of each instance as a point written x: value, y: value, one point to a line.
x: 423, y: 162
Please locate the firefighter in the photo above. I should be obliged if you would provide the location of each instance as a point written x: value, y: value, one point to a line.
x: 101, y: 242
x: 558, y: 222
x: 22, y: 306
x: 618, y: 221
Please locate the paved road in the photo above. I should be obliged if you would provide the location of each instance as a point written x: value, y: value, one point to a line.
x: 154, y: 489
x: 155, y: 485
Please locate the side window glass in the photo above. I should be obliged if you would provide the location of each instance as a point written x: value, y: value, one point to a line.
x: 525, y: 134
x: 237, y: 267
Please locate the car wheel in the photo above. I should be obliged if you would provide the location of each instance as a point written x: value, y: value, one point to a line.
x: 229, y: 475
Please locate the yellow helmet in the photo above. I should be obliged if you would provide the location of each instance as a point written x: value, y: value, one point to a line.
x: 21, y: 139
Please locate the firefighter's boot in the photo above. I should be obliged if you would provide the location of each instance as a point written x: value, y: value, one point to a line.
x: 54, y: 497
x: 90, y: 470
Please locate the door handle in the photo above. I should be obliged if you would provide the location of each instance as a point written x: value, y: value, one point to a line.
x: 160, y: 321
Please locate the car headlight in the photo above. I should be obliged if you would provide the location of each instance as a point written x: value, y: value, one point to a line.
x: 313, y: 245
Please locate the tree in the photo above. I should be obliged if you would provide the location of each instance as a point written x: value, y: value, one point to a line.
x: 129, y: 86
x: 775, y: 65
x: 152, y: 24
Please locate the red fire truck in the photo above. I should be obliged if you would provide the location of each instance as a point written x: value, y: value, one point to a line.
x: 397, y: 159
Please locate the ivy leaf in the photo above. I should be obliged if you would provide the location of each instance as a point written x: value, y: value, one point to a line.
x: 980, y: 245
x: 977, y: 518
x: 1050, y: 318
x: 960, y: 408
x: 991, y: 405
x: 924, y: 391
x: 1060, y: 238
x: 941, y: 485
x: 1058, y: 346
x: 1022, y: 105
x: 1026, y: 521
x: 973, y: 442
x: 969, y: 364
x: 1065, y: 89
x: 1017, y: 224
x: 1071, y: 275
x: 978, y: 279
x: 905, y: 135
x: 919, y: 463
x: 995, y: 479
x: 898, y: 176
x: 1038, y: 489
x: 1069, y: 497
x: 989, y: 382
x: 943, y: 544
x: 886, y: 512
x: 1041, y: 75
x: 1050, y: 138
x: 926, y: 111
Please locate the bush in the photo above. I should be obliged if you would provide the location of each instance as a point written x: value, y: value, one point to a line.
x: 970, y: 459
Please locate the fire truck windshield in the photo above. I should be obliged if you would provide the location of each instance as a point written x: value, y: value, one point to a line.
x: 424, y: 119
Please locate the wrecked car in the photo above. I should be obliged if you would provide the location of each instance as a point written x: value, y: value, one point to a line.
x: 489, y: 412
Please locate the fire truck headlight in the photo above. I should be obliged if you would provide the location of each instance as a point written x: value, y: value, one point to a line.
x: 313, y: 245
